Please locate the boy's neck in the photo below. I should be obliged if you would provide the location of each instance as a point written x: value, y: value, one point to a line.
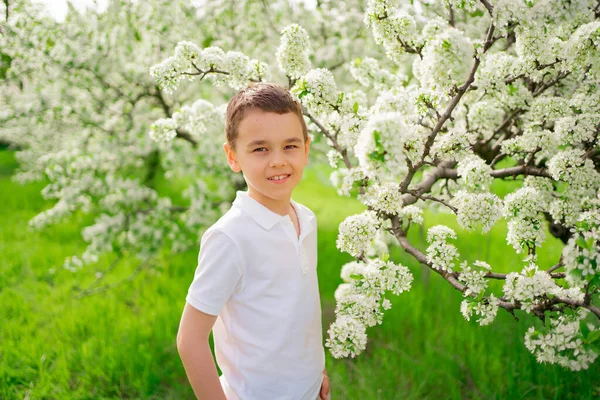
x: 281, y: 207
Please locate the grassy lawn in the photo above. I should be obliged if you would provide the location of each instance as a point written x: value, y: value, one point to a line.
x: 121, y: 343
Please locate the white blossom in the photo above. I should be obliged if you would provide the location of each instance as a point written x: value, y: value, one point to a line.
x: 531, y: 284
x: 317, y: 90
x: 446, y: 61
x: 347, y: 337
x: 477, y: 210
x: 561, y: 343
x: 475, y: 173
x: 487, y: 309
x: 474, y: 278
x: 441, y: 254
x: 356, y: 232
x: 384, y: 197
x: 391, y: 28
x: 292, y: 53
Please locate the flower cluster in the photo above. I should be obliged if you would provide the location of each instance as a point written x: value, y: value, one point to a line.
x: 477, y: 210
x: 334, y: 157
x: 317, y: 90
x: 361, y: 301
x: 487, y: 309
x: 163, y: 130
x: 394, y: 29
x: 232, y: 68
x: 347, y: 337
x: 523, y: 210
x: 484, y: 116
x: 384, y: 197
x: 292, y: 53
x: 441, y: 254
x: 379, y: 276
x: 381, y: 144
x: 474, y: 279
x: 475, y: 174
x: 349, y: 179
x: 368, y: 73
x: 357, y: 231
x: 531, y: 285
x: 446, y: 61
x: 411, y: 213
x: 572, y: 130
x: 453, y: 145
x: 571, y: 167
x: 562, y: 342
x: 531, y: 141
x: 581, y: 255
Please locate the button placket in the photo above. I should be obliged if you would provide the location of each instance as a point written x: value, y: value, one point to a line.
x: 303, y: 260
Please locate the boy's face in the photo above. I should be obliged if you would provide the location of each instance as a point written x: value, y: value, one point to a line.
x: 269, y: 145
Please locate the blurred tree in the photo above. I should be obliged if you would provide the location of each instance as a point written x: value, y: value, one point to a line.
x: 78, y: 103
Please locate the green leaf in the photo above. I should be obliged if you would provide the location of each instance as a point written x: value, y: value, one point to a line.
x: 581, y: 242
x: 596, y: 347
x: 595, y: 281
x: 356, y: 276
x: 385, y: 257
x: 302, y: 94
x: 593, y: 336
x: 584, y: 328
x: 207, y: 42
x: 5, y: 63
x: 377, y: 156
x: 355, y: 107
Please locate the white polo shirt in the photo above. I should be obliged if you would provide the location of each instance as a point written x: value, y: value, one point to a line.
x: 261, y: 280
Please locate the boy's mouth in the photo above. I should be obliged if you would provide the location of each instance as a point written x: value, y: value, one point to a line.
x: 279, y: 178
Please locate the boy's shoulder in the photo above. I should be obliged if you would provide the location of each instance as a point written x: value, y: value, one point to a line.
x: 232, y: 221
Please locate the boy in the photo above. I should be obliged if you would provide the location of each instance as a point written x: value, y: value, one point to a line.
x: 256, y: 280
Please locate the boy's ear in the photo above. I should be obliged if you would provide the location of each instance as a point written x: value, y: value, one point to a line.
x: 231, y: 158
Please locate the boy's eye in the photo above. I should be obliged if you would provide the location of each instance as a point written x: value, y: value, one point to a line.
x: 262, y: 149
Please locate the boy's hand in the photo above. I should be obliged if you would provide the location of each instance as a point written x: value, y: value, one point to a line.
x: 324, y: 393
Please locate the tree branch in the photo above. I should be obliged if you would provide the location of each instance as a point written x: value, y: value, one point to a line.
x: 489, y: 40
x: 488, y: 6
x: 520, y: 170
x: 329, y: 136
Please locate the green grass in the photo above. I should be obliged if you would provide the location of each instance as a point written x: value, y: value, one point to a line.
x: 121, y: 343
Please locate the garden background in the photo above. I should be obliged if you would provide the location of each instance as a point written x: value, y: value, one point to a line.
x: 119, y: 343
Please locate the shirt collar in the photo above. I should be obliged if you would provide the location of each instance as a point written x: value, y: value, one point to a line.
x: 265, y: 217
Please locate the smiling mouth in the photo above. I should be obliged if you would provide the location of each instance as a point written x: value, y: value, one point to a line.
x: 279, y: 177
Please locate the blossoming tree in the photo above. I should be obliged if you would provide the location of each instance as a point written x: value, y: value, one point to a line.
x: 77, y: 102
x: 478, y: 91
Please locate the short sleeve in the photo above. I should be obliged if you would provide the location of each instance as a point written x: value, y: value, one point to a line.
x: 218, y: 274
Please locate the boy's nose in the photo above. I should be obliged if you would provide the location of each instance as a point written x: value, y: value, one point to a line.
x: 277, y: 160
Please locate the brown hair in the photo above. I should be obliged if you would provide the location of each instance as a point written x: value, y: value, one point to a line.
x: 268, y: 97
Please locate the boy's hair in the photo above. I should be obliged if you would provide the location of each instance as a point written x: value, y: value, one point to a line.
x: 268, y: 97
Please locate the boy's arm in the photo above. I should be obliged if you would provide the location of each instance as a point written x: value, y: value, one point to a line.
x: 194, y: 350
